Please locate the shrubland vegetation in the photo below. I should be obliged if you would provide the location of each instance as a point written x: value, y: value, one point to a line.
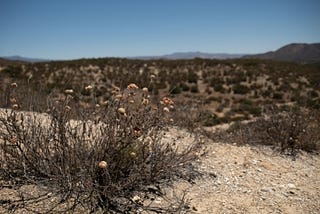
x: 95, y: 142
x: 208, y: 82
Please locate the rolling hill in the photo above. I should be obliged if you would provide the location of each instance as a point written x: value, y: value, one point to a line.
x: 295, y: 52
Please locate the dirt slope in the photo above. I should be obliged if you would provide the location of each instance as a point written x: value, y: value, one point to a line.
x: 248, y: 179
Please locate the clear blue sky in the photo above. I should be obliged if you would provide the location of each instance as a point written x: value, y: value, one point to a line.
x: 69, y: 29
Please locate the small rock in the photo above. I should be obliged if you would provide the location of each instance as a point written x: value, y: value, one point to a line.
x: 291, y: 186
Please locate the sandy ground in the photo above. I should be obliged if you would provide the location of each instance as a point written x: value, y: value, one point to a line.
x: 246, y: 179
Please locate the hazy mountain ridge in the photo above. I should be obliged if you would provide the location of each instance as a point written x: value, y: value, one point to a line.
x: 295, y: 52
x: 192, y: 55
x: 24, y: 59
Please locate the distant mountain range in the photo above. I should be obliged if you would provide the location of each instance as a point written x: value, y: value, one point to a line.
x: 192, y: 55
x: 25, y: 59
x: 295, y: 52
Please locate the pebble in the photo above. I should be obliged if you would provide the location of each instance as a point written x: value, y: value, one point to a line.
x: 291, y: 186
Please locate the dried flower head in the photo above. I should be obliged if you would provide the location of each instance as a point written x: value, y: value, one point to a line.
x: 122, y: 111
x: 167, y: 101
x: 68, y: 91
x: 14, y: 85
x: 102, y: 165
x: 88, y: 88
x: 166, y: 109
x: 132, y: 86
x: 15, y: 106
x: 133, y: 154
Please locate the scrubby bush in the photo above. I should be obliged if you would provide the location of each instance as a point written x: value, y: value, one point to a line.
x: 184, y: 87
x: 111, y: 159
x: 194, y: 89
x: 206, y: 118
x: 192, y: 77
x: 175, y: 90
x: 240, y: 89
x: 277, y: 96
x: 219, y: 88
x: 290, y: 129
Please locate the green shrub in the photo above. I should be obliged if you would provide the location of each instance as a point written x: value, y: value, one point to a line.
x: 240, y: 89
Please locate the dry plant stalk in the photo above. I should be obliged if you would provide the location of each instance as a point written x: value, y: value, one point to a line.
x: 103, y: 161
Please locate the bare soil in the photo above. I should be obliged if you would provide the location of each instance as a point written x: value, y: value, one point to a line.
x: 247, y: 179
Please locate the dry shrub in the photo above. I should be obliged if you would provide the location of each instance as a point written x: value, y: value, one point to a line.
x: 289, y: 129
x: 111, y: 160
